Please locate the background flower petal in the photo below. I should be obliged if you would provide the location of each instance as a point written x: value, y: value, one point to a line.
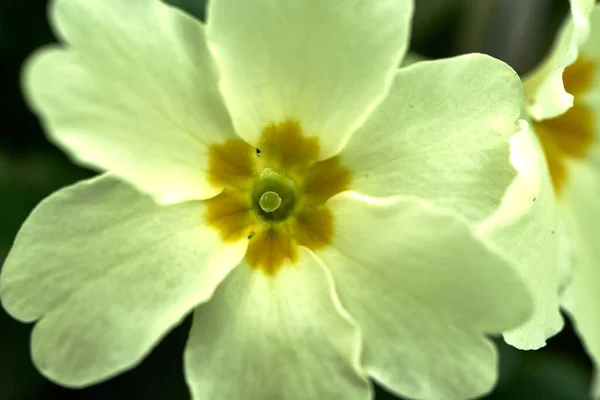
x: 544, y: 89
x: 580, y: 206
x: 108, y: 273
x: 526, y: 230
x: 324, y: 63
x: 424, y: 290
x: 275, y: 337
x: 133, y: 91
x: 442, y: 134
x: 582, y: 296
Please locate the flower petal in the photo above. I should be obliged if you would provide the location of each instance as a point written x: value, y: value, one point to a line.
x: 591, y: 47
x: 108, y: 273
x: 275, y: 337
x: 545, y: 92
x: 537, y: 240
x: 326, y: 64
x: 442, y: 134
x: 580, y: 206
x: 424, y: 290
x: 133, y: 91
x: 525, y: 229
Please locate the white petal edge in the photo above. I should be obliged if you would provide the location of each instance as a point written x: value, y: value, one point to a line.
x: 526, y: 230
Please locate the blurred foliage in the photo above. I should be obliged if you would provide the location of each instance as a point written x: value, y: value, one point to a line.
x: 516, y: 31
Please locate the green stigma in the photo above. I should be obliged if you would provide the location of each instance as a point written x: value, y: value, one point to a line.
x: 269, y: 201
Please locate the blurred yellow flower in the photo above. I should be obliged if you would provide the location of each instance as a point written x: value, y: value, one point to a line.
x: 559, y: 180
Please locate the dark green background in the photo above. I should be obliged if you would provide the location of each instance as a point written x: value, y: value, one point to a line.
x: 517, y: 31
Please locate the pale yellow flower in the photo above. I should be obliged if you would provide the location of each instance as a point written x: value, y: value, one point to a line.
x: 559, y: 182
x: 275, y: 174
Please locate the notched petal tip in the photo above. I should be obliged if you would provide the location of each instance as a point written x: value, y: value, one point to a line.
x: 10, y: 301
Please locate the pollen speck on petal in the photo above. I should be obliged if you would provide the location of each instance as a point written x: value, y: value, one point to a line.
x: 230, y: 214
x: 270, y: 249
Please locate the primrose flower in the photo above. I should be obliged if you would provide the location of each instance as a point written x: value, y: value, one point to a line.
x: 560, y: 181
x: 276, y: 175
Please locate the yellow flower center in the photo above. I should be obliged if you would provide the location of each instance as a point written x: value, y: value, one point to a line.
x: 275, y: 195
x: 571, y: 134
